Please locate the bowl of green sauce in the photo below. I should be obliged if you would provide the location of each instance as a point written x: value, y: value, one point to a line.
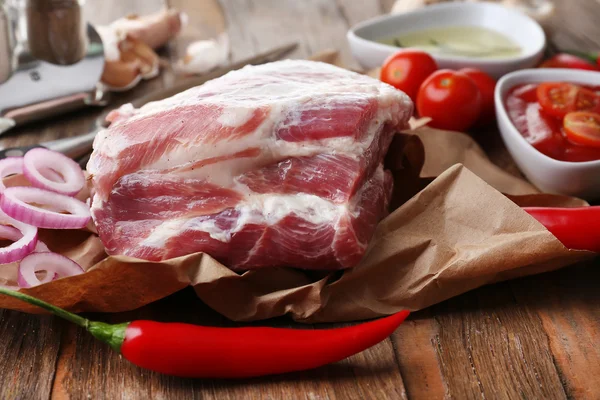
x: 487, y: 36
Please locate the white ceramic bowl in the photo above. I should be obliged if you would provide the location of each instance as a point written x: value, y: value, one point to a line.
x: 580, y: 179
x: 518, y: 27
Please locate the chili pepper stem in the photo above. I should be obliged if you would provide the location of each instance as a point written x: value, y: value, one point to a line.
x: 588, y: 56
x: 113, y: 335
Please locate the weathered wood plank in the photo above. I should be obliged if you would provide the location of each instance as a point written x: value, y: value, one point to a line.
x: 29, y: 347
x: 575, y: 25
x: 104, y: 12
x: 260, y: 25
x: 568, y: 304
x: 415, y: 346
x: 354, y: 12
x: 490, y: 346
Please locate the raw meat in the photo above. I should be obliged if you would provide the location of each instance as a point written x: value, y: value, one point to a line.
x: 272, y: 165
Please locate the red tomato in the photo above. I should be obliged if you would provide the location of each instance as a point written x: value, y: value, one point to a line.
x: 486, y: 85
x: 563, y: 60
x: 451, y: 99
x: 560, y: 98
x: 583, y: 128
x: 587, y: 100
x: 407, y: 69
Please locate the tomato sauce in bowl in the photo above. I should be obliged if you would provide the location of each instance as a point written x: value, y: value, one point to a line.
x: 545, y: 131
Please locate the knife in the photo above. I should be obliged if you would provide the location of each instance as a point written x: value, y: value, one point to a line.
x: 78, y: 146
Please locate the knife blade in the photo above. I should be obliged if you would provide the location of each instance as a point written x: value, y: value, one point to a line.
x: 78, y: 146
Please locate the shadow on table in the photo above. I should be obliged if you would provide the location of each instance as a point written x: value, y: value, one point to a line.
x: 334, y: 373
x: 572, y: 287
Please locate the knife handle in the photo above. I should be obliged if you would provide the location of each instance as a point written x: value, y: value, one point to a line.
x: 48, y: 108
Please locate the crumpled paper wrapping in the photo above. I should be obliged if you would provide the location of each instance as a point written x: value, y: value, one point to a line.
x: 445, y: 237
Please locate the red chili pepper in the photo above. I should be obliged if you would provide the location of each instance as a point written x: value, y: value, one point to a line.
x: 208, y: 352
x: 563, y: 60
x: 591, y: 56
x: 576, y: 228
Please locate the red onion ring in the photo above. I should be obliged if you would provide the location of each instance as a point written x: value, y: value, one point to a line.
x: 10, y: 166
x: 24, y: 244
x: 10, y: 233
x: 53, y: 263
x: 38, y: 159
x: 14, y: 203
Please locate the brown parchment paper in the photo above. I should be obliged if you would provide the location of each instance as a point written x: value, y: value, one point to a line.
x: 457, y: 225
x: 444, y: 238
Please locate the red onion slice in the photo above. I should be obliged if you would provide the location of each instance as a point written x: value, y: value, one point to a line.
x: 14, y: 203
x: 10, y: 233
x: 10, y: 166
x: 24, y: 244
x: 52, y: 263
x: 38, y: 159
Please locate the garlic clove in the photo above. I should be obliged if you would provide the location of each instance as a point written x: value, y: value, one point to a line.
x: 121, y: 75
x: 129, y: 44
x: 204, y: 55
x: 155, y: 30
x: 149, y: 61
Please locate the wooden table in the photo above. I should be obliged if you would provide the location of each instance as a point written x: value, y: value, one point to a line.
x: 536, y: 337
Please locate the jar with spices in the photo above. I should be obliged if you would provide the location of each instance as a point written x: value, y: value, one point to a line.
x: 56, y: 30
x: 6, y: 44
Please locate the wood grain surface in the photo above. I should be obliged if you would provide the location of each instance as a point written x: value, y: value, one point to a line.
x: 531, y: 338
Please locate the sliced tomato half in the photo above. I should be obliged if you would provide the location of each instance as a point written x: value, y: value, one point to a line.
x: 559, y: 98
x: 583, y: 128
x: 587, y: 100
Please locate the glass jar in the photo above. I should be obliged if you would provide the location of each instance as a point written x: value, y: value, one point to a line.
x: 6, y: 43
x: 56, y: 30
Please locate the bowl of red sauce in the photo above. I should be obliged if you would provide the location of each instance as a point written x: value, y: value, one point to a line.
x: 549, y: 120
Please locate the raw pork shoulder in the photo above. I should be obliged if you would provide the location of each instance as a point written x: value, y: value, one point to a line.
x: 272, y: 165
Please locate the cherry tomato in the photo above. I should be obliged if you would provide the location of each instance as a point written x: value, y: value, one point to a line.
x: 451, y: 99
x: 563, y: 60
x: 407, y: 69
x: 486, y: 85
x: 587, y: 100
x: 560, y: 98
x: 583, y: 128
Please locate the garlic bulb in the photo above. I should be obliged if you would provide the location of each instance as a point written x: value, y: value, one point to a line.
x: 129, y: 45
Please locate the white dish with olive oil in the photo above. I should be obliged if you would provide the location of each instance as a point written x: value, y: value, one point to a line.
x: 493, y: 38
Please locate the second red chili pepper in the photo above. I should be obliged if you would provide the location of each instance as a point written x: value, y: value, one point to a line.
x: 566, y: 60
x: 208, y: 352
x: 576, y: 228
x: 591, y: 56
